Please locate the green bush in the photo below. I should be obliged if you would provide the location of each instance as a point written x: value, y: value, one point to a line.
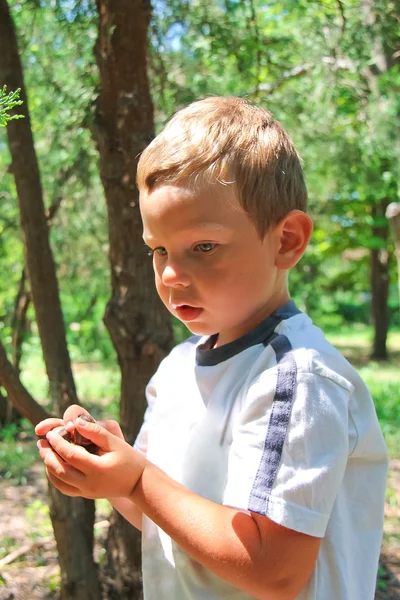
x: 15, y: 458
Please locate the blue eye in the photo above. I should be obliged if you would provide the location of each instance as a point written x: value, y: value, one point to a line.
x: 160, y: 251
x: 205, y: 247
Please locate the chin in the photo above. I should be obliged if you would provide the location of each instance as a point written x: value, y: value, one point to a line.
x: 199, y: 328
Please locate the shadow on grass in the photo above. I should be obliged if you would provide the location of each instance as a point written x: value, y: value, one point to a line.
x: 388, y: 585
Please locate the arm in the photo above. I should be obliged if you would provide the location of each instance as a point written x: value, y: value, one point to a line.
x: 130, y: 511
x: 249, y: 551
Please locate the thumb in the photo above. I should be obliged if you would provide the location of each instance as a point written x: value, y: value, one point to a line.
x: 97, y: 434
x: 113, y: 427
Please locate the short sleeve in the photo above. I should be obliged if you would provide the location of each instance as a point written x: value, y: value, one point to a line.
x: 151, y: 396
x: 290, y: 446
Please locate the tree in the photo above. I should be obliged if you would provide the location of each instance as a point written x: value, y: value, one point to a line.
x: 139, y: 326
x: 72, y: 518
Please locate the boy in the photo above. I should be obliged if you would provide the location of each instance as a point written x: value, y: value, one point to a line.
x: 260, y: 468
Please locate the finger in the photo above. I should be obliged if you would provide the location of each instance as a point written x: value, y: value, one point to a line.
x: 47, y: 425
x: 73, y: 412
x: 57, y: 466
x: 65, y: 488
x: 105, y: 440
x: 75, y: 457
x: 113, y: 427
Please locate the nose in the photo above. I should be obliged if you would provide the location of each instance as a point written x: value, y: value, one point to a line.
x: 173, y: 275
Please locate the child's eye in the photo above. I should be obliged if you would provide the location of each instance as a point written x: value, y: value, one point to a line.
x: 205, y: 247
x: 160, y: 251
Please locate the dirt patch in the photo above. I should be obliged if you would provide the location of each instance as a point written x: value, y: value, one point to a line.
x: 35, y: 574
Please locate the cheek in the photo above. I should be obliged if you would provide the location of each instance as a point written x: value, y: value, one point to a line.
x: 159, y: 285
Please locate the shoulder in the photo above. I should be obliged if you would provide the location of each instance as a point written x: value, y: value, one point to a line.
x: 303, y: 344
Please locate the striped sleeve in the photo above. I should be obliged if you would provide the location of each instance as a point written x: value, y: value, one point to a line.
x: 289, y: 445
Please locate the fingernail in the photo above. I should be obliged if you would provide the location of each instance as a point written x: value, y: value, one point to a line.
x: 82, y: 422
x: 70, y: 424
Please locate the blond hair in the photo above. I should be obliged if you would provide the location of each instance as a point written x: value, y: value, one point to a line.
x: 228, y: 140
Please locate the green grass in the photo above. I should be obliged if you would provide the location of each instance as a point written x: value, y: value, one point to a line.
x: 97, y: 384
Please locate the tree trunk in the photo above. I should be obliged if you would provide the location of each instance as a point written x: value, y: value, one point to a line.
x: 72, y: 518
x: 140, y: 328
x: 380, y: 285
x: 18, y: 328
x: 393, y: 214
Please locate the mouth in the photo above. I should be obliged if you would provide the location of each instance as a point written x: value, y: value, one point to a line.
x: 187, y: 313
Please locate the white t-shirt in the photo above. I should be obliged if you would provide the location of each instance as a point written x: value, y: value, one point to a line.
x: 279, y: 423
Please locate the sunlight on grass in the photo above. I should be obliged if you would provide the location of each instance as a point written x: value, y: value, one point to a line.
x: 97, y: 384
x: 360, y: 336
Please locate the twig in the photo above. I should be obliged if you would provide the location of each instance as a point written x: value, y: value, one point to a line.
x: 343, y: 17
x: 38, y: 544
x: 24, y: 550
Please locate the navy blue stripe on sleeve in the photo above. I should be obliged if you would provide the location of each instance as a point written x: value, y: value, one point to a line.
x: 277, y: 426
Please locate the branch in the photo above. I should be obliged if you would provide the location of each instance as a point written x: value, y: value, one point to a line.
x: 24, y: 550
x: 61, y: 179
x: 18, y: 394
x: 255, y: 28
x: 344, y: 22
x: 300, y: 70
x: 269, y: 88
x: 18, y: 324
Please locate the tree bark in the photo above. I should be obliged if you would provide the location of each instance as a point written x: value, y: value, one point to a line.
x: 140, y: 328
x: 72, y: 518
x: 8, y: 412
x: 18, y: 394
x: 19, y: 322
x: 393, y: 214
x: 380, y: 285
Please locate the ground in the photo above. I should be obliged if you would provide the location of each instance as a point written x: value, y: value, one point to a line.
x: 35, y: 574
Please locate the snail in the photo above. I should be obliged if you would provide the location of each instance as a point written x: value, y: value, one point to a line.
x: 74, y: 437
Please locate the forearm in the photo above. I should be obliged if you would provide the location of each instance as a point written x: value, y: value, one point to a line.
x: 128, y: 510
x: 224, y: 540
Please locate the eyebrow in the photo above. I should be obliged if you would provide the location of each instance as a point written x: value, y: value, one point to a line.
x: 215, y: 227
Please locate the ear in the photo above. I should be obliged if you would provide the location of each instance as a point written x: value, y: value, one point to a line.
x: 294, y: 232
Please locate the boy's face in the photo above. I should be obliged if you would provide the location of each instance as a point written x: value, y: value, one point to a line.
x: 212, y: 269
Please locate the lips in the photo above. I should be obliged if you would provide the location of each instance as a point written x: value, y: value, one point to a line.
x: 187, y: 313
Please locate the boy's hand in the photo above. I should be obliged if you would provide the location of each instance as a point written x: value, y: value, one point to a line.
x: 75, y: 472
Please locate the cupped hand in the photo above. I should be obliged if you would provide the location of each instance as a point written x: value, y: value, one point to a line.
x: 72, y: 413
x: 114, y: 472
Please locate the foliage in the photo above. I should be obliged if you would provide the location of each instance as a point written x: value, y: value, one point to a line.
x: 15, y: 458
x: 7, y: 103
x: 327, y: 87
x: 61, y: 81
